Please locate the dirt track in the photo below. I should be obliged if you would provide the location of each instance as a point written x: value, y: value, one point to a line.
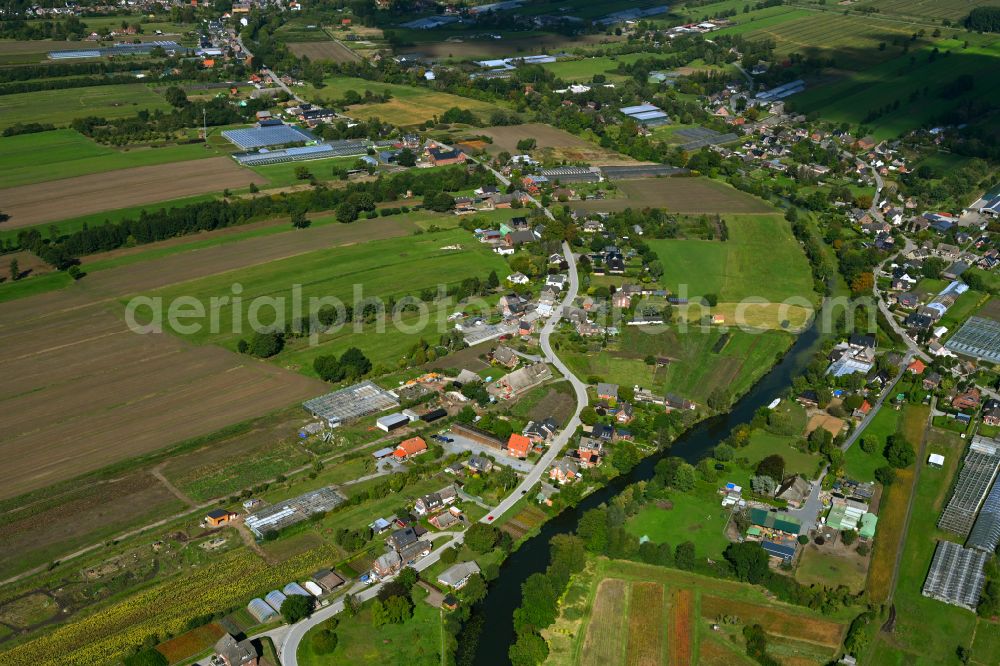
x: 47, y: 202
x: 79, y: 391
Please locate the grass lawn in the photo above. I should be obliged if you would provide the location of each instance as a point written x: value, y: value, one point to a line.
x: 283, y: 175
x: 733, y: 269
x: 409, y: 104
x: 763, y: 444
x: 417, y: 641
x: 60, y: 107
x: 965, y: 305
x: 817, y: 567
x: 66, y: 153
x: 697, y: 517
x: 861, y: 466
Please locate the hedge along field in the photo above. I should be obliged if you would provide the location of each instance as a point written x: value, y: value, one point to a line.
x: 60, y: 107
x: 66, y: 153
x: 851, y: 99
x: 392, y: 267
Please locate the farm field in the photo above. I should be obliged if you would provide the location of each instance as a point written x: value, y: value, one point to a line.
x: 732, y: 269
x: 552, y: 143
x: 927, y: 10
x: 283, y: 175
x: 91, y: 365
x: 667, y: 618
x: 409, y: 105
x: 677, y: 195
x: 66, y: 153
x: 60, y: 107
x: 119, y: 394
x: 449, y: 44
x: 381, y: 268
x: 320, y: 50
x: 825, y: 568
x: 917, y: 86
x: 763, y: 444
x: 47, y: 202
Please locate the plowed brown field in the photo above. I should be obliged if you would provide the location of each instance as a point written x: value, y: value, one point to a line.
x: 71, y: 197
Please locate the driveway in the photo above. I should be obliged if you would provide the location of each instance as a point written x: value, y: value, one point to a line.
x: 465, y: 444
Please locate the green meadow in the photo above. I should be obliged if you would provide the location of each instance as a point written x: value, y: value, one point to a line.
x: 60, y: 107
x: 65, y: 153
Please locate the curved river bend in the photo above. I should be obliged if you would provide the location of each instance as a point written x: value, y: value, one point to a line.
x: 532, y: 557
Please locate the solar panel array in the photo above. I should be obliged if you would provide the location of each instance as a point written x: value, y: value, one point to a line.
x: 978, y: 337
x: 974, y: 481
x: 249, y: 138
x: 956, y: 576
x: 985, y: 535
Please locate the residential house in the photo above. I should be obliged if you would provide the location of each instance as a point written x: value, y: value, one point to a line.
x: 621, y: 300
x: 602, y: 432
x: 625, y: 413
x: 590, y: 451
x: 236, y: 653
x: 518, y: 237
x: 434, y: 501
x: 558, y: 281
x: 479, y: 464
x: 991, y: 412
x: 506, y: 357
x: 931, y: 381
x: 794, y: 490
x: 402, y: 538
x: 673, y: 402
x: 387, y: 564
x: 541, y: 431
x: 907, y: 301
x: 967, y: 400
x: 607, y: 391
x: 457, y: 575
x: 564, y: 471
x: 863, y: 410
x: 916, y: 367
x: 525, y: 327
x: 518, y: 278
x: 445, y: 519
x: 511, y: 304
x: 518, y: 446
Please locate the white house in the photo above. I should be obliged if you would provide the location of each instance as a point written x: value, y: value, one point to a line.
x: 518, y: 278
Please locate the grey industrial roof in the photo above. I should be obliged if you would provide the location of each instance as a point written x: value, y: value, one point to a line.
x: 956, y: 576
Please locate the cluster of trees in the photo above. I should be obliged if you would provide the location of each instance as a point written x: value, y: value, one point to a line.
x: 983, y: 19
x: 262, y: 344
x: 69, y: 28
x: 351, y: 366
x: 296, y: 607
x: 394, y: 603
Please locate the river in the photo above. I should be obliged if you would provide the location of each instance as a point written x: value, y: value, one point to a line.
x: 532, y: 557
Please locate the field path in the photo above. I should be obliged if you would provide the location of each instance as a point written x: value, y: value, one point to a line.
x: 157, y: 472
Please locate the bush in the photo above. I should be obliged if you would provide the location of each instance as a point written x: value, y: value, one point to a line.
x: 324, y: 641
x: 885, y: 475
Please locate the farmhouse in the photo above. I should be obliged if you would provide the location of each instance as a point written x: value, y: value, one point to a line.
x: 506, y: 357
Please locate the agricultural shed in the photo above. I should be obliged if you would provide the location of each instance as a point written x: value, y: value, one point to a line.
x: 457, y: 575
x: 775, y: 521
x: 868, y: 523
x: 778, y: 550
x: 327, y: 579
x: 392, y: 422
x: 312, y: 588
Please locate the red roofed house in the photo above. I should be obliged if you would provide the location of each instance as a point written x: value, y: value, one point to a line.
x: 863, y: 410
x: 917, y: 367
x: 967, y: 400
x: 413, y: 446
x: 518, y: 446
